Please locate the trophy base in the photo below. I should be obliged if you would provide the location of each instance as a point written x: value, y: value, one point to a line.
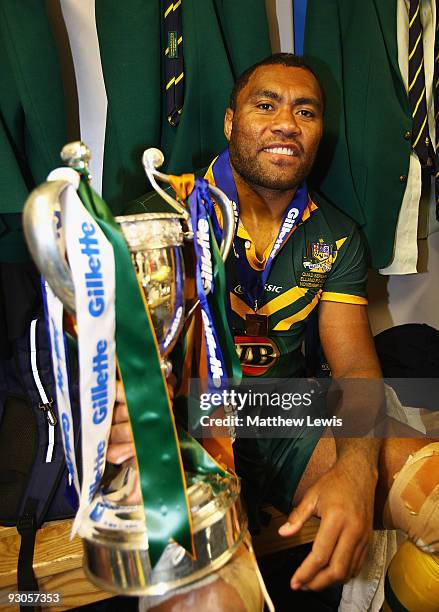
x: 119, y: 562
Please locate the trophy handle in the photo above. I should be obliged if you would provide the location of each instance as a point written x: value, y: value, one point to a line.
x: 42, y: 230
x: 153, y: 159
x: 42, y: 223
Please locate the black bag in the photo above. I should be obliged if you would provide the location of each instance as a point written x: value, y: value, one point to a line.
x: 34, y: 483
x: 409, y: 357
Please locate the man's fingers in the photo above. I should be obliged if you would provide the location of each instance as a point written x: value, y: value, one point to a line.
x: 359, y: 557
x: 121, y: 433
x: 120, y: 393
x: 172, y: 383
x: 298, y: 517
x: 121, y: 444
x: 338, y: 569
x: 118, y: 453
x: 120, y: 414
x: 321, y: 553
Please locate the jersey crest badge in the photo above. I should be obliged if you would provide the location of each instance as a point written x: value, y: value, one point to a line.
x: 321, y: 251
x: 319, y: 257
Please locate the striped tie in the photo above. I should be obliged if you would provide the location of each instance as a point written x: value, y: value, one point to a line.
x: 436, y: 107
x: 173, y: 48
x: 417, y: 95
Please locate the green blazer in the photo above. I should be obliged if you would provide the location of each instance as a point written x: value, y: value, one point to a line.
x: 32, y: 118
x: 363, y: 160
x: 221, y: 38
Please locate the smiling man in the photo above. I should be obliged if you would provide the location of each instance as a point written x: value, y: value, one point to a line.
x: 269, y: 157
x: 285, y: 238
x: 314, y: 256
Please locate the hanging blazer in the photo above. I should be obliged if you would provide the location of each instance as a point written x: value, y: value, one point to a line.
x: 32, y: 117
x: 363, y: 160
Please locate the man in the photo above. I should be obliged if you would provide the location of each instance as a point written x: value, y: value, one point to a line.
x: 313, y: 253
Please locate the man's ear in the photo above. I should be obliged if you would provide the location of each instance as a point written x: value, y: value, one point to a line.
x: 228, y: 120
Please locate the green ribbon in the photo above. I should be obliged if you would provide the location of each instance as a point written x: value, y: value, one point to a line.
x: 217, y: 302
x: 196, y: 459
x: 162, y: 478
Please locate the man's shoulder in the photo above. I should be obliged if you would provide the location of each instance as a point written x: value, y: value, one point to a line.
x: 337, y: 220
x: 336, y: 227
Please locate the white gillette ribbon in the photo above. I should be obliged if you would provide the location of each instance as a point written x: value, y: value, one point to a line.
x: 91, y: 261
x: 59, y: 363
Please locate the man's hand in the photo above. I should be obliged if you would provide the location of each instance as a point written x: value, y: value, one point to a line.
x: 121, y: 444
x: 344, y: 499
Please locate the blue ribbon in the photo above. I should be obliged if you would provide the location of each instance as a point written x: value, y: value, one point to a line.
x: 178, y: 302
x: 200, y: 203
x: 253, y: 281
x: 70, y: 492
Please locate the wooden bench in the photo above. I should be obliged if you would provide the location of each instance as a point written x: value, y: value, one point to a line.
x: 58, y: 561
x: 269, y: 541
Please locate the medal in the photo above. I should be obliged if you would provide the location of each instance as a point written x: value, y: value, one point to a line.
x: 256, y: 324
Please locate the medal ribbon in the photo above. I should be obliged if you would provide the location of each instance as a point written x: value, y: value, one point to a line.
x: 253, y: 281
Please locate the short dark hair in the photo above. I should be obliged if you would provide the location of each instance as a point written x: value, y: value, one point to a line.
x: 283, y: 59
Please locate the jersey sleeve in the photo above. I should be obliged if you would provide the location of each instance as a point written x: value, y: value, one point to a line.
x: 347, y: 279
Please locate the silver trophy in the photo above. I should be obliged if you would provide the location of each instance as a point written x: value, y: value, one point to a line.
x: 117, y: 559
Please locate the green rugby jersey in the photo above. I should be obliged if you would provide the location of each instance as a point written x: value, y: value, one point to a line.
x: 323, y: 259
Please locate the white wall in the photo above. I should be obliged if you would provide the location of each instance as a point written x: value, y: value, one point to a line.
x: 280, y: 21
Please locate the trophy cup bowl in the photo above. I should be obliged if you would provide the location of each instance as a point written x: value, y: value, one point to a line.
x: 155, y: 241
x: 117, y: 559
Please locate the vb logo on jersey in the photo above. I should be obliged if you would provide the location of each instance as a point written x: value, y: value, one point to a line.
x: 256, y: 354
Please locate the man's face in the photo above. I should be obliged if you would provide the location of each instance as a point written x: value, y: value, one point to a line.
x: 276, y: 128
